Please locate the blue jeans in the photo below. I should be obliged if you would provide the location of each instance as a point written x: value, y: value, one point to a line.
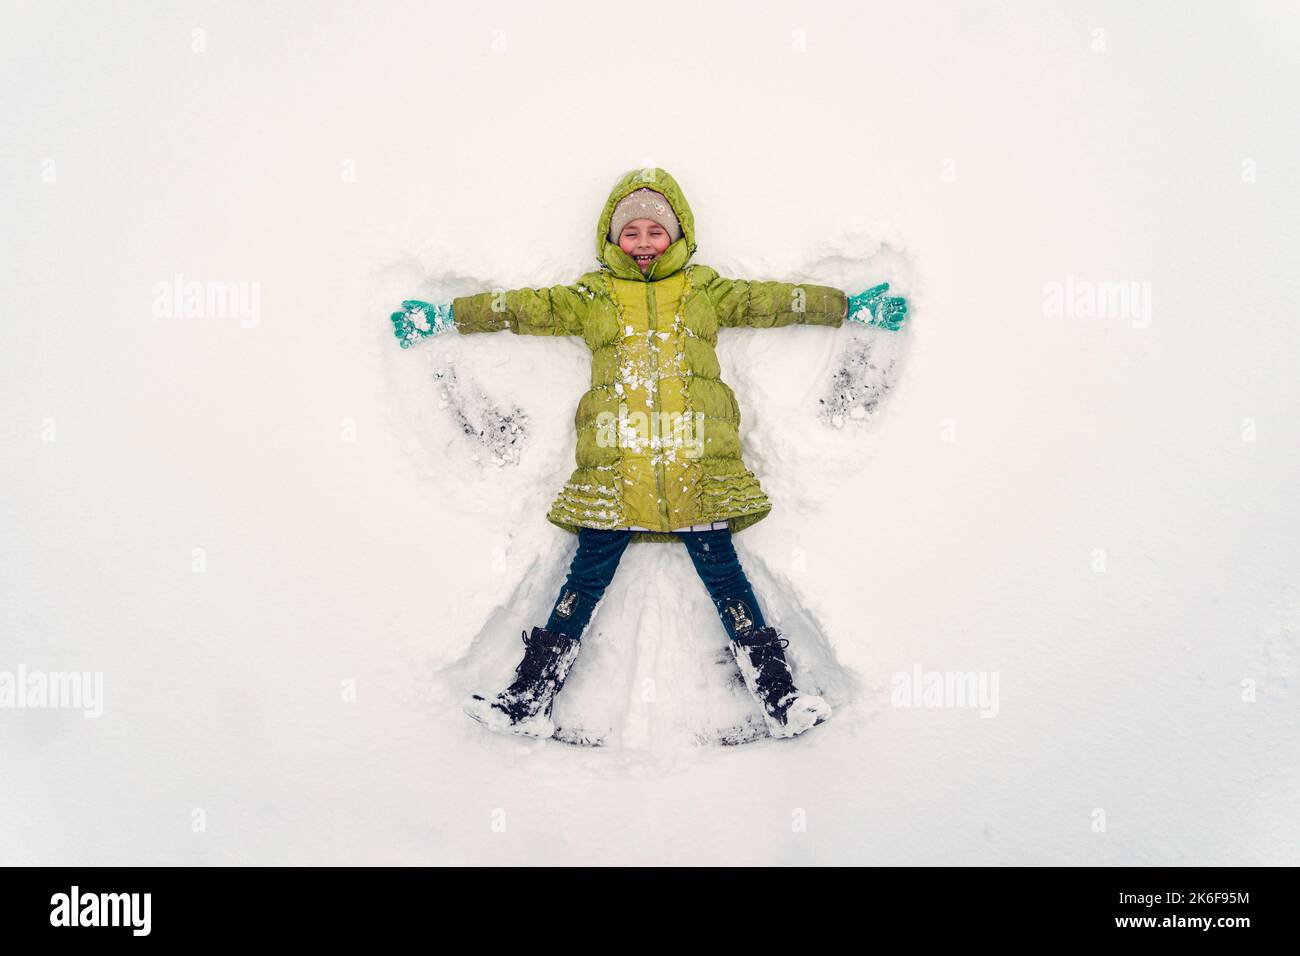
x: 597, y: 559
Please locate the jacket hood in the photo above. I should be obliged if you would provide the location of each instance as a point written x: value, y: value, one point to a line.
x: 675, y: 256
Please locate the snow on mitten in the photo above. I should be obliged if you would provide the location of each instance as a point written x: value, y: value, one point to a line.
x: 419, y: 320
x: 886, y: 312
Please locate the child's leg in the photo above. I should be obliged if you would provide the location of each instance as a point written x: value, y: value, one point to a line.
x: 593, y: 568
x: 716, y: 561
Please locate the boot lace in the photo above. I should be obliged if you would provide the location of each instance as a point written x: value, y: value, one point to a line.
x: 773, y: 673
x: 536, y: 654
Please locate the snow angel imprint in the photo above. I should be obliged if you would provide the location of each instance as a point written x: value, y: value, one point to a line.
x: 658, y: 455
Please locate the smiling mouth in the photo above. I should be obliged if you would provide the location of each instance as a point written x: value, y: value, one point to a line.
x: 643, y: 258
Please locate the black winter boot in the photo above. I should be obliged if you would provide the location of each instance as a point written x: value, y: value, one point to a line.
x: 760, y: 655
x: 525, y: 706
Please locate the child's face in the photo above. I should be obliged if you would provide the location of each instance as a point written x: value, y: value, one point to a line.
x: 644, y: 240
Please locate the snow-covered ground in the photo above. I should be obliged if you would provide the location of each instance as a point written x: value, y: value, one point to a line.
x: 266, y: 530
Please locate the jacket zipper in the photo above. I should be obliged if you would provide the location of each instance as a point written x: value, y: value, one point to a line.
x: 657, y: 424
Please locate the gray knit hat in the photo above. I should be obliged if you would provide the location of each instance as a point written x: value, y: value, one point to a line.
x: 644, y: 204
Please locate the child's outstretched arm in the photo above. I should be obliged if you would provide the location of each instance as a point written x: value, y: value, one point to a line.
x: 557, y: 310
x: 769, y: 305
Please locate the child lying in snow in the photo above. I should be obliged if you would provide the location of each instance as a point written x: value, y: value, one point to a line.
x: 658, y: 450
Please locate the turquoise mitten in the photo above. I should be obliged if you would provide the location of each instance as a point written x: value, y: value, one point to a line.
x: 873, y: 307
x: 419, y: 320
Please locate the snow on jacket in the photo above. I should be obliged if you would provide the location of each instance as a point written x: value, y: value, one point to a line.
x: 658, y: 431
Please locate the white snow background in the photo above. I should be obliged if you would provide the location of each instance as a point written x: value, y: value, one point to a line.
x: 274, y: 542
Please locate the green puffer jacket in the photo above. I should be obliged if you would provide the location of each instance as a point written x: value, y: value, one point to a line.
x: 658, y: 441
